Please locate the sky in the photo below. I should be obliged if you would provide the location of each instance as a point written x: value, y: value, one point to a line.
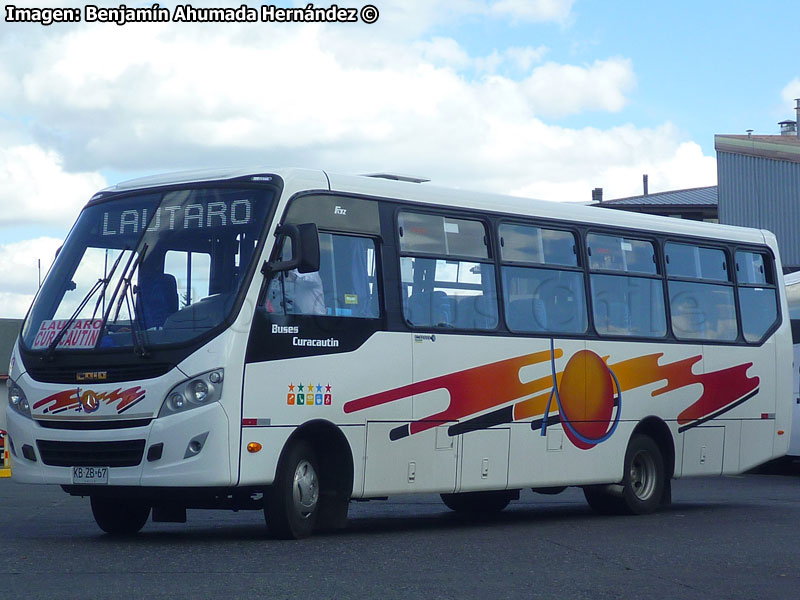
x: 538, y: 98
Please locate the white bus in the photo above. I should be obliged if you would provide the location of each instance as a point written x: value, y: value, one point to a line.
x: 289, y: 340
x: 792, y: 283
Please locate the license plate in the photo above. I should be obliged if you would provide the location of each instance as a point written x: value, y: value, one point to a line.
x: 90, y: 475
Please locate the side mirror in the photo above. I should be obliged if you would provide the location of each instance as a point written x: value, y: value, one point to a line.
x: 305, y: 249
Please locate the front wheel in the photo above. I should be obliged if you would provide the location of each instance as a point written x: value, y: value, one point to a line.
x: 643, y: 482
x: 292, y: 503
x: 118, y: 516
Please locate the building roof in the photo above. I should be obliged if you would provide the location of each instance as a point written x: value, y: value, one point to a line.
x: 692, y: 197
x: 778, y: 147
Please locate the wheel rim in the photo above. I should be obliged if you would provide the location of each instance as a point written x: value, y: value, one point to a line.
x: 643, y: 475
x: 305, y: 491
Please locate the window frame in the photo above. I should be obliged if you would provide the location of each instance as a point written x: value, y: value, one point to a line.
x: 376, y: 247
x: 579, y: 268
x: 659, y: 260
x: 491, y: 252
x: 770, y: 270
x: 621, y: 234
x: 379, y: 279
x: 727, y: 252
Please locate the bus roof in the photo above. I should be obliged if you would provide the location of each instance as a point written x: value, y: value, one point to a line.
x: 426, y: 193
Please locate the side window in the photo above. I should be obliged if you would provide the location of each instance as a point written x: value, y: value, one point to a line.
x: 631, y: 303
x: 441, y: 235
x: 345, y: 285
x: 447, y: 276
x: 700, y: 293
x: 615, y: 253
x: 757, y: 294
x: 686, y: 260
x: 543, y: 290
x: 348, y: 274
x: 523, y: 243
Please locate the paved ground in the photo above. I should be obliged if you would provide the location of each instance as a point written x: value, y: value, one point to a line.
x: 732, y: 537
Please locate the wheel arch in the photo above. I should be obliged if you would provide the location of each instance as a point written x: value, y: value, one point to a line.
x: 657, y: 430
x: 334, y: 454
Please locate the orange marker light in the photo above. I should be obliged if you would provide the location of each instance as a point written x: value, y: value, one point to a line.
x: 253, y: 447
x: 780, y: 431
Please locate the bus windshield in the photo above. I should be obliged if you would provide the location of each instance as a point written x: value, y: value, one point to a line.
x: 147, y: 270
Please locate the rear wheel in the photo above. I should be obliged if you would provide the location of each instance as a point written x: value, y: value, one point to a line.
x: 118, y: 516
x: 477, y: 502
x: 643, y: 482
x: 292, y: 503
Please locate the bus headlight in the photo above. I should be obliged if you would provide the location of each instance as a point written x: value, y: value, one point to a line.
x: 198, y: 389
x: 193, y: 393
x: 17, y: 399
x: 176, y: 402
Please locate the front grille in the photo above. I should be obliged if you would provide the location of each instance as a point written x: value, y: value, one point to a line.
x: 94, y: 425
x: 51, y: 374
x: 126, y: 453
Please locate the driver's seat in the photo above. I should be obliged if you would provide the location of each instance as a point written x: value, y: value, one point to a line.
x: 157, y: 299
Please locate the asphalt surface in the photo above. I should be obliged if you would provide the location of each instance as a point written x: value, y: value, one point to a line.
x: 730, y: 537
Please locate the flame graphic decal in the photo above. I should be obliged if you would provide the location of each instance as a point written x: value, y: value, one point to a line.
x: 497, y: 386
x: 71, y: 399
x: 471, y: 391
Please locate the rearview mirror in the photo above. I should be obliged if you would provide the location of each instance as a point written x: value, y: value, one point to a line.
x: 305, y: 249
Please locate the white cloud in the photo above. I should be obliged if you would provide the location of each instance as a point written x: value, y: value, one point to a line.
x: 179, y: 97
x: 567, y: 164
x: 682, y: 167
x: 524, y: 56
x: 791, y: 92
x: 558, y: 90
x: 518, y: 58
x: 444, y: 51
x: 34, y: 188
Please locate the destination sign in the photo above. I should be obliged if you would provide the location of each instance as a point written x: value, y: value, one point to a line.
x: 83, y: 333
x: 176, y: 217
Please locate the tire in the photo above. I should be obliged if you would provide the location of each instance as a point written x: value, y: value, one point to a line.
x: 602, y: 501
x: 477, y: 502
x: 118, y: 516
x: 643, y: 482
x: 292, y: 502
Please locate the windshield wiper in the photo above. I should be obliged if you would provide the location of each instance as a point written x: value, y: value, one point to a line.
x: 60, y: 335
x: 107, y: 280
x: 137, y: 334
x: 101, y: 283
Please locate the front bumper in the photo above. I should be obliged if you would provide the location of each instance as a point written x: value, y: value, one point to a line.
x: 177, y: 465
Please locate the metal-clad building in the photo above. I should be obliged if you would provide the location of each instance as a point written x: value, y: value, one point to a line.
x: 758, y: 180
